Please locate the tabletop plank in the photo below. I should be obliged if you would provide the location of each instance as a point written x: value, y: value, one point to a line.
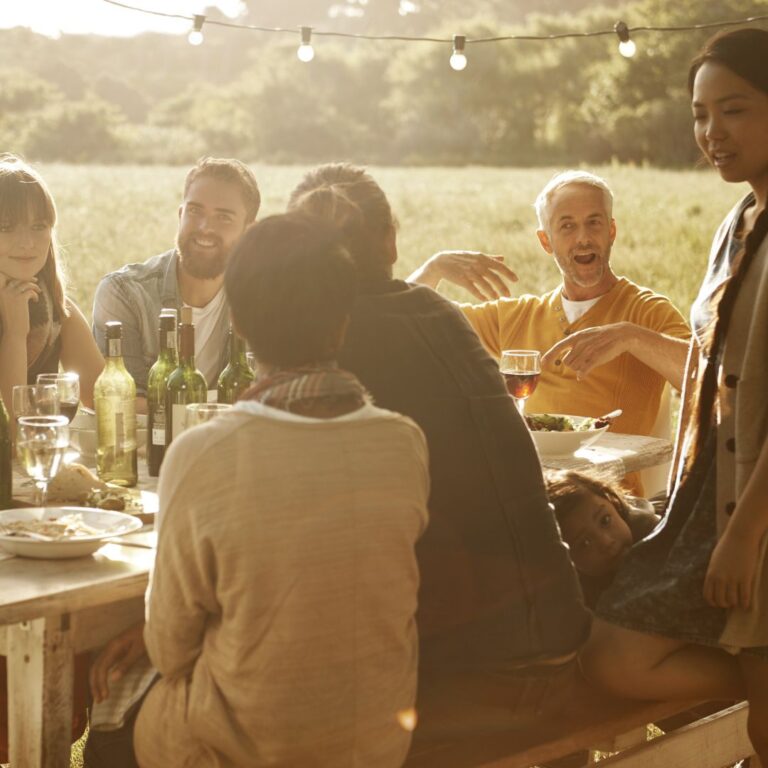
x: 31, y: 589
x: 615, y: 454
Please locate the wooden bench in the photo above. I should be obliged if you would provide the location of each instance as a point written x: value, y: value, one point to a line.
x: 595, y: 721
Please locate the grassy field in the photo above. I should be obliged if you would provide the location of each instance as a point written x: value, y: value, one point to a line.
x: 110, y: 216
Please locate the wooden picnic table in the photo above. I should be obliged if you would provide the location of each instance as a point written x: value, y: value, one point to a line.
x: 49, y: 611
x: 615, y: 454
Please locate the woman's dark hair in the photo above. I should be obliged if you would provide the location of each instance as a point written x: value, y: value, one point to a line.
x: 566, y: 489
x: 348, y: 197
x: 291, y: 284
x: 23, y: 191
x: 743, y: 52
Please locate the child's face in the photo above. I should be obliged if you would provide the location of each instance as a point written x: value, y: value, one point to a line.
x: 596, y: 534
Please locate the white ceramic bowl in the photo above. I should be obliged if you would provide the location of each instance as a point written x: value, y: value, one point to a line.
x: 565, y: 443
x: 109, y: 524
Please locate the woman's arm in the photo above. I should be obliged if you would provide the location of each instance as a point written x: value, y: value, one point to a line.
x: 79, y: 352
x: 731, y: 574
x: 15, y: 296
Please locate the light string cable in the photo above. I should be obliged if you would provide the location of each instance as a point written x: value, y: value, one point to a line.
x: 620, y: 29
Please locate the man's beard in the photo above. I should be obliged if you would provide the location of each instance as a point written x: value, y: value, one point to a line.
x: 203, y: 267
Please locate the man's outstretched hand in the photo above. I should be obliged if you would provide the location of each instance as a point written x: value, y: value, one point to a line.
x: 590, y: 348
x: 484, y: 276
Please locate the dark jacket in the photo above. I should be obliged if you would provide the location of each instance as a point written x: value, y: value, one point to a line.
x: 497, y: 585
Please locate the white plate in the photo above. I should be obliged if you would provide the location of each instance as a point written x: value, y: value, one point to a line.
x: 565, y: 443
x: 109, y: 523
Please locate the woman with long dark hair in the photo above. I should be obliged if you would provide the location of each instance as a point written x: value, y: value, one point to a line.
x: 688, y: 615
x: 40, y: 327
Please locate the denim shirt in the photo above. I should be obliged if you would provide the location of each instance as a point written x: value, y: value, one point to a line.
x: 134, y: 295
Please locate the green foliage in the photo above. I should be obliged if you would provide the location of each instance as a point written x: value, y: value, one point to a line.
x: 80, y: 131
x: 155, y: 98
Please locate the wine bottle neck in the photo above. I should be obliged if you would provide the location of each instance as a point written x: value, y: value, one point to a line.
x: 114, y: 349
x: 187, y: 345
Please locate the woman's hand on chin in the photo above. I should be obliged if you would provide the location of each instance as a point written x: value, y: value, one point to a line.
x: 15, y: 296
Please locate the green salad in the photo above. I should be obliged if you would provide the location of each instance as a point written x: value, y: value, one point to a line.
x: 549, y: 422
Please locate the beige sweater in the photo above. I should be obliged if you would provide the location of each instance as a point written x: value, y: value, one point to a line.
x: 281, y: 608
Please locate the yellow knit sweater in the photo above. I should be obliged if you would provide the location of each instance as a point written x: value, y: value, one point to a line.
x: 538, y: 322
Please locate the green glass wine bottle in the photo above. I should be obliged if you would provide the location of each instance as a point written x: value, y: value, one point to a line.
x: 114, y: 395
x: 166, y: 363
x: 237, y: 376
x: 185, y: 384
x: 6, y: 474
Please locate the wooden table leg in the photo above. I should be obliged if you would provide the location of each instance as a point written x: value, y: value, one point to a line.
x: 40, y: 676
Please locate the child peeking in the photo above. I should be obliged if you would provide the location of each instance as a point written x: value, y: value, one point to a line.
x: 599, y: 523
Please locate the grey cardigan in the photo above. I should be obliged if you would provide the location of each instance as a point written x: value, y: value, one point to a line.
x: 742, y: 419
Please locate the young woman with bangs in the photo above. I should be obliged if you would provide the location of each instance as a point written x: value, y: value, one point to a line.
x: 40, y: 327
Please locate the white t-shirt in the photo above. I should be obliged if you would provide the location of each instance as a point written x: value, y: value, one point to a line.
x: 575, y: 309
x: 207, y: 350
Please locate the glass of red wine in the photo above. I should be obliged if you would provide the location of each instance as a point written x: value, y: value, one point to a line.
x: 521, y: 369
x: 35, y: 400
x: 68, y: 387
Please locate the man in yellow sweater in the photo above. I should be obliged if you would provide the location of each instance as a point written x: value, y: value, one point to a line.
x: 606, y: 342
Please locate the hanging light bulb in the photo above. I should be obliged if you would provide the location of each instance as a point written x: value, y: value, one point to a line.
x: 458, y: 59
x: 305, y: 51
x: 627, y: 47
x: 195, y: 36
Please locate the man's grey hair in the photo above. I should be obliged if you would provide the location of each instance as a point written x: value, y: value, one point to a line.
x: 564, y: 179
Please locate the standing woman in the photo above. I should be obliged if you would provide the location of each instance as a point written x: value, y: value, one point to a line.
x: 698, y: 586
x: 39, y: 326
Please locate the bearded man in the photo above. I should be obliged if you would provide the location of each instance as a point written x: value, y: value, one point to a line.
x: 606, y: 342
x: 221, y: 198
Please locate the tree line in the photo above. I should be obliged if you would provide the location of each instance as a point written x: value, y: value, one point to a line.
x: 156, y: 99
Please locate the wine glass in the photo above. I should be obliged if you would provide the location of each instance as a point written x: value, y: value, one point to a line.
x: 199, y: 413
x: 35, y: 400
x: 68, y: 386
x: 41, y: 442
x: 521, y: 369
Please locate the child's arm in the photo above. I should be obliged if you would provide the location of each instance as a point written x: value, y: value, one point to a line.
x: 731, y: 574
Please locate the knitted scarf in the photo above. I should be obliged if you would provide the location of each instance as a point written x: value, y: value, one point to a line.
x: 284, y: 388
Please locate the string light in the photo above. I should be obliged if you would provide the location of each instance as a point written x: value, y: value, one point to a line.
x: 305, y: 51
x: 195, y: 36
x: 458, y: 60
x: 627, y: 47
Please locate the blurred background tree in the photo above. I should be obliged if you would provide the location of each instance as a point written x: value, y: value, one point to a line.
x: 156, y: 99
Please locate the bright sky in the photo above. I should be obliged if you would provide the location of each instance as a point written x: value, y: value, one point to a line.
x: 56, y: 17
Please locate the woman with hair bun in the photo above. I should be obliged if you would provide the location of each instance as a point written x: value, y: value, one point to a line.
x: 687, y: 616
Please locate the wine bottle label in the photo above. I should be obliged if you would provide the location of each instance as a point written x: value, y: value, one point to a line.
x: 170, y: 340
x: 179, y: 419
x: 114, y: 348
x: 158, y: 426
x: 116, y: 423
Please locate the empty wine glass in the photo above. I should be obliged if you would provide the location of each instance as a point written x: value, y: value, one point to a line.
x: 521, y: 369
x: 68, y: 386
x: 199, y: 413
x: 41, y: 442
x: 35, y: 400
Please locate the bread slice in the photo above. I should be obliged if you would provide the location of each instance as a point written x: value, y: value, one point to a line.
x: 73, y: 484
